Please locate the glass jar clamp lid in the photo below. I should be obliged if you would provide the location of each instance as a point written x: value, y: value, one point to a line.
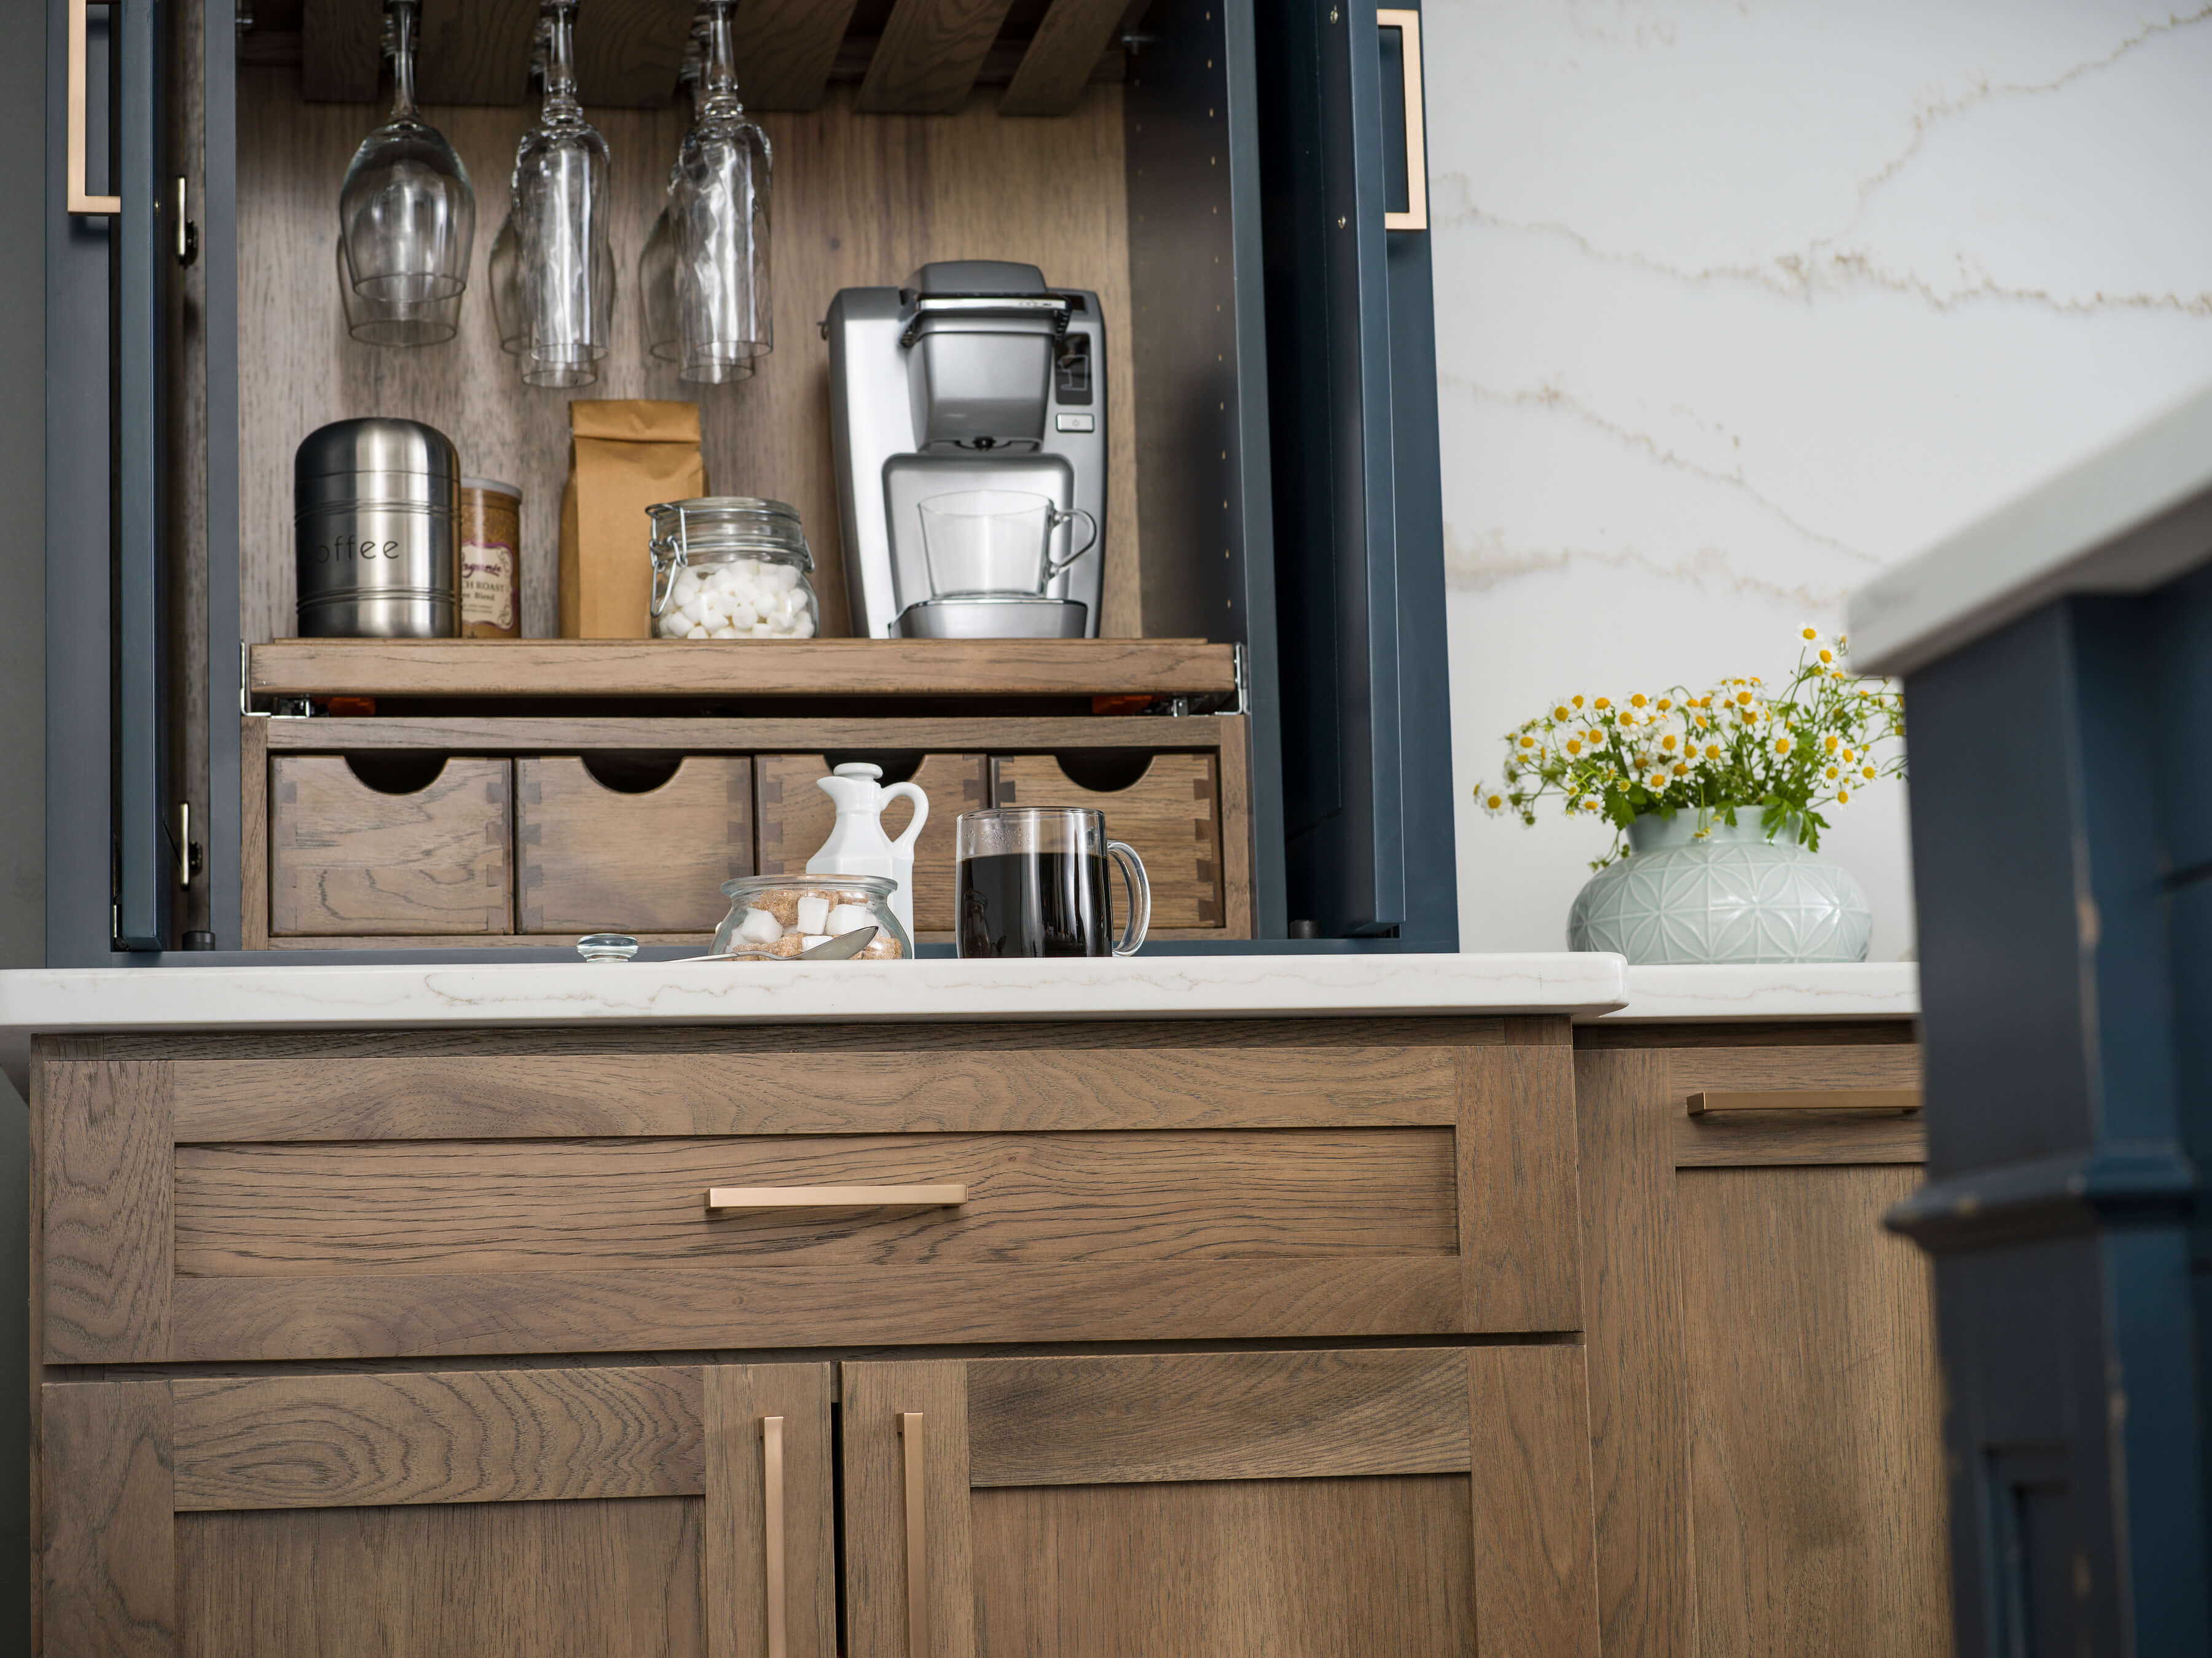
x: 730, y: 567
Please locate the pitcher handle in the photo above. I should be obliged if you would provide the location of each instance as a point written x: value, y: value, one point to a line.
x: 1054, y: 566
x: 913, y: 792
x: 1139, y: 890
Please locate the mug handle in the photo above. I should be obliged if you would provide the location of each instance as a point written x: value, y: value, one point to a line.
x: 1139, y: 890
x: 1054, y: 566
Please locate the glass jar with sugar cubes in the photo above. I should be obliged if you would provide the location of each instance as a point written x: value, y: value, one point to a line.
x: 730, y: 567
x: 784, y: 916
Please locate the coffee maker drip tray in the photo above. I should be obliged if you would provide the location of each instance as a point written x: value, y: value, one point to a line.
x: 991, y: 616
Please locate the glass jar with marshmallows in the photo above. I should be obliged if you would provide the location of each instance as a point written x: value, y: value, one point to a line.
x: 730, y: 567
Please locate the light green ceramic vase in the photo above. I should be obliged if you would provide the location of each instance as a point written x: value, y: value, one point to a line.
x: 1733, y: 897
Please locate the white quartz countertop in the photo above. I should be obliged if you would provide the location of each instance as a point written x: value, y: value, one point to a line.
x: 1814, y: 991
x: 1588, y: 988
x: 2126, y: 518
x: 59, y: 1001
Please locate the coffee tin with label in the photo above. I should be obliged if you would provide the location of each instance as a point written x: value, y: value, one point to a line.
x: 377, y: 533
x: 491, y: 559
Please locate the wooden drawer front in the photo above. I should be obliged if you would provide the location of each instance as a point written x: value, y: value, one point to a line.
x: 595, y: 858
x: 346, y: 859
x: 1808, y: 1105
x: 1171, y: 816
x: 795, y: 818
x: 1273, y: 1184
x: 518, y: 1205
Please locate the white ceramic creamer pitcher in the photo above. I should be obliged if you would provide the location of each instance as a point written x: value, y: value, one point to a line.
x: 857, y: 844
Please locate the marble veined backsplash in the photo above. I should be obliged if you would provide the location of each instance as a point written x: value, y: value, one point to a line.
x: 1738, y: 304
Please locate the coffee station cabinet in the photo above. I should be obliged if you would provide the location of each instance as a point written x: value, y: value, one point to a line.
x: 1262, y: 707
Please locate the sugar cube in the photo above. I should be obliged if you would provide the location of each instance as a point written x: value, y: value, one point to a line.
x: 814, y: 914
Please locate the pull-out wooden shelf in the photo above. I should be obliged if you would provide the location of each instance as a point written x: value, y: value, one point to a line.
x: 698, y: 668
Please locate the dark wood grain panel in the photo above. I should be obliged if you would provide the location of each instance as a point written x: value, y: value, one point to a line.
x: 459, y: 1436
x: 753, y: 667
x: 1114, y: 1420
x: 104, y: 1210
x: 588, y: 1579
x: 1067, y: 47
x: 590, y: 859
x: 107, y: 1573
x: 1778, y: 1069
x: 510, y: 1205
x: 929, y: 56
x: 811, y: 1082
x: 341, y: 56
x: 1815, y: 1461
x: 477, y: 52
x: 786, y: 49
x: 457, y: 1312
x: 1535, y: 1587
x: 630, y: 51
x: 872, y: 1470
x: 1638, y: 1398
x: 1518, y: 1234
x: 347, y: 859
x: 1246, y: 1569
x: 1709, y: 1142
x: 738, y: 1399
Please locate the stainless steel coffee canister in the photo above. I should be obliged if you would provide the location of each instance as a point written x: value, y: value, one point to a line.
x: 377, y: 531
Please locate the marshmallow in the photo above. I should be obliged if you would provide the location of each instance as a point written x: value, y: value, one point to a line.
x: 814, y: 914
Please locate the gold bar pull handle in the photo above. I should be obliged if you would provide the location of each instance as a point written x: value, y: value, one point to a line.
x: 1903, y: 1100
x: 772, y: 1496
x: 835, y: 1197
x: 917, y: 1553
x: 1416, y: 216
x: 80, y: 97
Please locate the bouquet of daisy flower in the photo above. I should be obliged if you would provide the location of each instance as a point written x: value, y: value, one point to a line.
x: 1736, y: 748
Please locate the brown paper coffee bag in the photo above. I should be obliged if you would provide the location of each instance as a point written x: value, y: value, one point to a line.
x: 624, y: 455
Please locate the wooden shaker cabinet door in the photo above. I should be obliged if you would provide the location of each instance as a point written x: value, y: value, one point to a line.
x: 1425, y: 1503
x: 628, y: 1512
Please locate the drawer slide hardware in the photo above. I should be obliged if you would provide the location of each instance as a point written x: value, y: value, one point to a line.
x: 835, y: 1197
x: 1904, y: 1100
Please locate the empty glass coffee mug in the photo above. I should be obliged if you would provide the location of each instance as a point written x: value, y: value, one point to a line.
x: 995, y: 541
x: 1031, y: 881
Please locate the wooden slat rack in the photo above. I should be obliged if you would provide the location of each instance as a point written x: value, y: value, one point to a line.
x: 914, y: 57
x: 619, y: 668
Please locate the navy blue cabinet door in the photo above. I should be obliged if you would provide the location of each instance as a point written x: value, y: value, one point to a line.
x: 1359, y: 525
x: 110, y: 854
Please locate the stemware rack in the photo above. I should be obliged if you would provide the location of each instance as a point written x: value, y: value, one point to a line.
x: 926, y: 59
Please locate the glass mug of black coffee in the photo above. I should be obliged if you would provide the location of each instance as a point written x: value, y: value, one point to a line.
x: 1031, y: 881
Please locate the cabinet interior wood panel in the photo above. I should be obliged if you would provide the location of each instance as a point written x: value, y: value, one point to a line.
x: 859, y: 201
x: 510, y: 1205
x: 1242, y: 1569
x: 594, y: 1578
x: 1816, y: 1481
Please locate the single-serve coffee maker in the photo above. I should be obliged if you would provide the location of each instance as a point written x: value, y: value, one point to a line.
x: 968, y: 413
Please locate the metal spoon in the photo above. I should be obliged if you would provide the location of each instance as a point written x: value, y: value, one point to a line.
x: 843, y: 947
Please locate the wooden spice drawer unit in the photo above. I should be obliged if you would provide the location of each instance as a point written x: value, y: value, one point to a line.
x: 346, y: 858
x: 358, y: 1197
x: 593, y: 858
x: 388, y: 833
